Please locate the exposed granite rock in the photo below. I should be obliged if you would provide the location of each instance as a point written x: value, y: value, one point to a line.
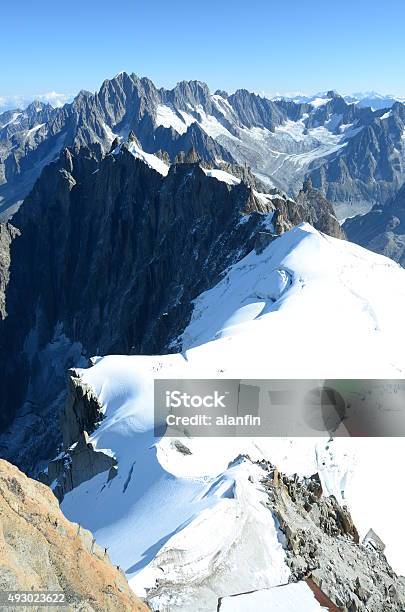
x: 320, y: 211
x: 28, y: 141
x: 167, y: 139
x: 191, y: 157
x: 246, y: 175
x: 79, y: 461
x: 112, y: 261
x: 41, y: 550
x: 322, y: 543
x: 77, y: 465
x: 310, y: 205
x: 82, y: 410
x: 256, y: 111
x: 32, y: 138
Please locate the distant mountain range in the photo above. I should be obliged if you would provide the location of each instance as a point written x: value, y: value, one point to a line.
x: 353, y: 154
x: 21, y: 102
x: 368, y: 98
x: 233, y: 158
x: 371, y: 99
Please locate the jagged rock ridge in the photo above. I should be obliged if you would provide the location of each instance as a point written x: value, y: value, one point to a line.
x: 323, y: 544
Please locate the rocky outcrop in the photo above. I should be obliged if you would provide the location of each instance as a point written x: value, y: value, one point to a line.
x: 114, y: 253
x: 29, y: 140
x: 7, y: 234
x: 319, y: 211
x: 323, y: 544
x: 41, y: 550
x: 310, y: 205
x: 382, y: 229
x: 82, y: 411
x: 76, y: 465
x: 245, y: 174
x: 256, y: 111
x: 79, y: 461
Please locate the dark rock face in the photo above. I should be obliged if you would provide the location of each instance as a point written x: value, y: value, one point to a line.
x: 323, y: 544
x: 78, y: 461
x: 195, y: 138
x: 320, y: 211
x: 382, y: 229
x: 7, y: 235
x: 255, y: 111
x: 110, y: 256
x: 78, y: 465
x: 29, y: 140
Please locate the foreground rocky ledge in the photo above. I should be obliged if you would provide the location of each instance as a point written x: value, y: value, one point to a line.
x: 41, y: 550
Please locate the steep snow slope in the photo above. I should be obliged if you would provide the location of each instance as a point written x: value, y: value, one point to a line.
x: 151, y: 160
x: 187, y: 516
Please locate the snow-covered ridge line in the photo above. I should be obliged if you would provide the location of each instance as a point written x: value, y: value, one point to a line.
x: 167, y: 117
x: 163, y: 168
x: 147, y: 158
x: 223, y: 176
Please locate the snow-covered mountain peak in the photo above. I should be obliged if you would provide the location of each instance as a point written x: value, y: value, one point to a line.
x: 365, y: 99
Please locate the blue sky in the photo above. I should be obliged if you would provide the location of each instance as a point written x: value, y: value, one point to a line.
x: 262, y: 45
